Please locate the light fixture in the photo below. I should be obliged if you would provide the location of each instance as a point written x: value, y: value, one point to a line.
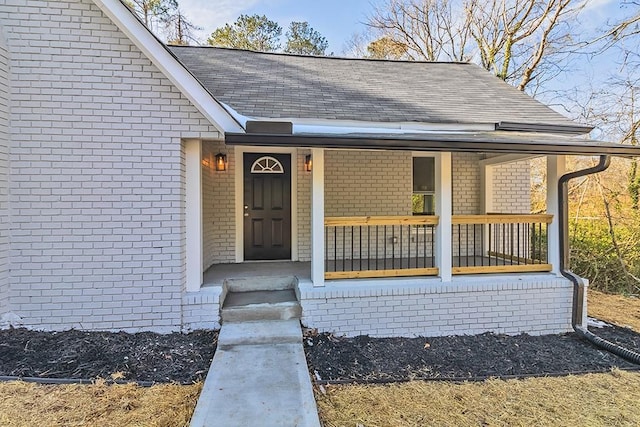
x: 308, y: 163
x: 221, y: 162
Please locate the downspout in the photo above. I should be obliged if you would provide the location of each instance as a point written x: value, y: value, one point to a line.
x: 578, y: 282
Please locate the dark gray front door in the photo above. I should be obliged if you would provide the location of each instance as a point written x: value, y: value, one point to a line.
x: 267, y: 206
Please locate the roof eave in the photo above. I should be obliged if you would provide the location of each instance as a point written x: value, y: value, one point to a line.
x: 450, y: 143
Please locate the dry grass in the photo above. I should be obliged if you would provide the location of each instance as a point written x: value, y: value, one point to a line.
x: 27, y: 404
x: 587, y: 400
x: 618, y: 309
x: 591, y: 400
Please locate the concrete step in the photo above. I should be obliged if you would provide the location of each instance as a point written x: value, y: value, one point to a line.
x: 260, y: 305
x: 265, y: 311
x: 260, y: 283
x: 260, y: 333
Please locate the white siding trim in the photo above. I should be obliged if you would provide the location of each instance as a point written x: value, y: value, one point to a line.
x: 239, y: 187
x: 317, y: 217
x: 193, y: 214
x: 555, y: 169
x: 170, y: 66
x: 444, y: 211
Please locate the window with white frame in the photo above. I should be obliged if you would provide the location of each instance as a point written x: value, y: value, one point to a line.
x: 424, y: 186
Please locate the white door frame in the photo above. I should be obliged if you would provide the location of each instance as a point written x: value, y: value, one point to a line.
x: 239, y: 195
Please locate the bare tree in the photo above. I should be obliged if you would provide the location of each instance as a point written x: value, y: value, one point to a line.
x: 180, y: 30
x: 153, y: 12
x: 431, y: 30
x: 518, y: 40
x: 626, y: 27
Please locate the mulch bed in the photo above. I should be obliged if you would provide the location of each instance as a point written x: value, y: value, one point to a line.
x: 185, y: 358
x: 145, y: 356
x: 365, y: 359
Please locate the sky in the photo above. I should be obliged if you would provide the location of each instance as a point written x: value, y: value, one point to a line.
x: 337, y: 20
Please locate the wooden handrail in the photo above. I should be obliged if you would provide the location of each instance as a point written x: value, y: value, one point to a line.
x: 355, y: 221
x: 502, y: 219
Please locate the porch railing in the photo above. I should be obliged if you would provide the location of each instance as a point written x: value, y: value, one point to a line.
x: 500, y: 243
x: 379, y: 246
x: 393, y: 246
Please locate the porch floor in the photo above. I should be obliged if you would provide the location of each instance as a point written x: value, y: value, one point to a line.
x: 218, y: 273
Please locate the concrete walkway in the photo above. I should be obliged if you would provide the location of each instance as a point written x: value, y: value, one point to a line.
x: 258, y: 377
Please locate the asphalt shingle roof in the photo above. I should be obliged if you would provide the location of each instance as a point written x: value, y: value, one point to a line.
x: 289, y: 86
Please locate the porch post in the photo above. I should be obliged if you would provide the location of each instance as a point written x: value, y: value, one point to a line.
x: 555, y: 169
x: 486, y: 197
x: 317, y: 217
x: 444, y: 212
x: 193, y: 214
x: 486, y: 188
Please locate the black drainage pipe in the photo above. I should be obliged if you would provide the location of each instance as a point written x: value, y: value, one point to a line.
x: 578, y: 282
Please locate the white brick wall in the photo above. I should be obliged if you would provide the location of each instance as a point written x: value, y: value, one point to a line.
x: 361, y: 183
x: 536, y: 305
x: 218, y: 206
x: 201, y: 310
x: 466, y: 183
x: 512, y: 187
x: 97, y: 173
x: 4, y: 175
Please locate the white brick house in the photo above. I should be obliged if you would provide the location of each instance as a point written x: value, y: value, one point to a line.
x: 112, y: 210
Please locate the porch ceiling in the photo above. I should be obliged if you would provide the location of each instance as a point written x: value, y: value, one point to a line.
x: 478, y: 141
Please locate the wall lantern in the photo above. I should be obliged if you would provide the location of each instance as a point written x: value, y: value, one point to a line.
x: 308, y: 163
x: 221, y: 162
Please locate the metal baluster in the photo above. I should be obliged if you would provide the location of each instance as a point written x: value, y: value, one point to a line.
x: 533, y: 243
x: 482, y: 245
x: 377, y: 244
x: 489, y: 248
x: 540, y: 242
x: 335, y: 248
x: 511, y: 240
x: 393, y: 247
x: 518, y: 243
x: 466, y: 244
x: 368, y: 247
x: 360, y: 246
x: 504, y: 242
x: 417, y: 242
x: 401, y: 257
x: 384, y: 247
x: 344, y: 248
x: 326, y: 249
x: 459, y: 246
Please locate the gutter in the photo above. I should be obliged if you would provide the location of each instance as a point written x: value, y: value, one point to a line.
x: 578, y: 283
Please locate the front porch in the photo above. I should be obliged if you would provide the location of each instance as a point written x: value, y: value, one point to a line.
x: 362, y: 264
x: 536, y: 303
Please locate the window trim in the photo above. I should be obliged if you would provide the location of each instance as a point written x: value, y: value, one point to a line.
x: 415, y: 154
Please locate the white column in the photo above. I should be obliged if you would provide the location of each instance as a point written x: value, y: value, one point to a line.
x: 486, y: 188
x: 193, y: 214
x: 444, y: 212
x: 317, y: 217
x: 486, y: 198
x: 556, y: 166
